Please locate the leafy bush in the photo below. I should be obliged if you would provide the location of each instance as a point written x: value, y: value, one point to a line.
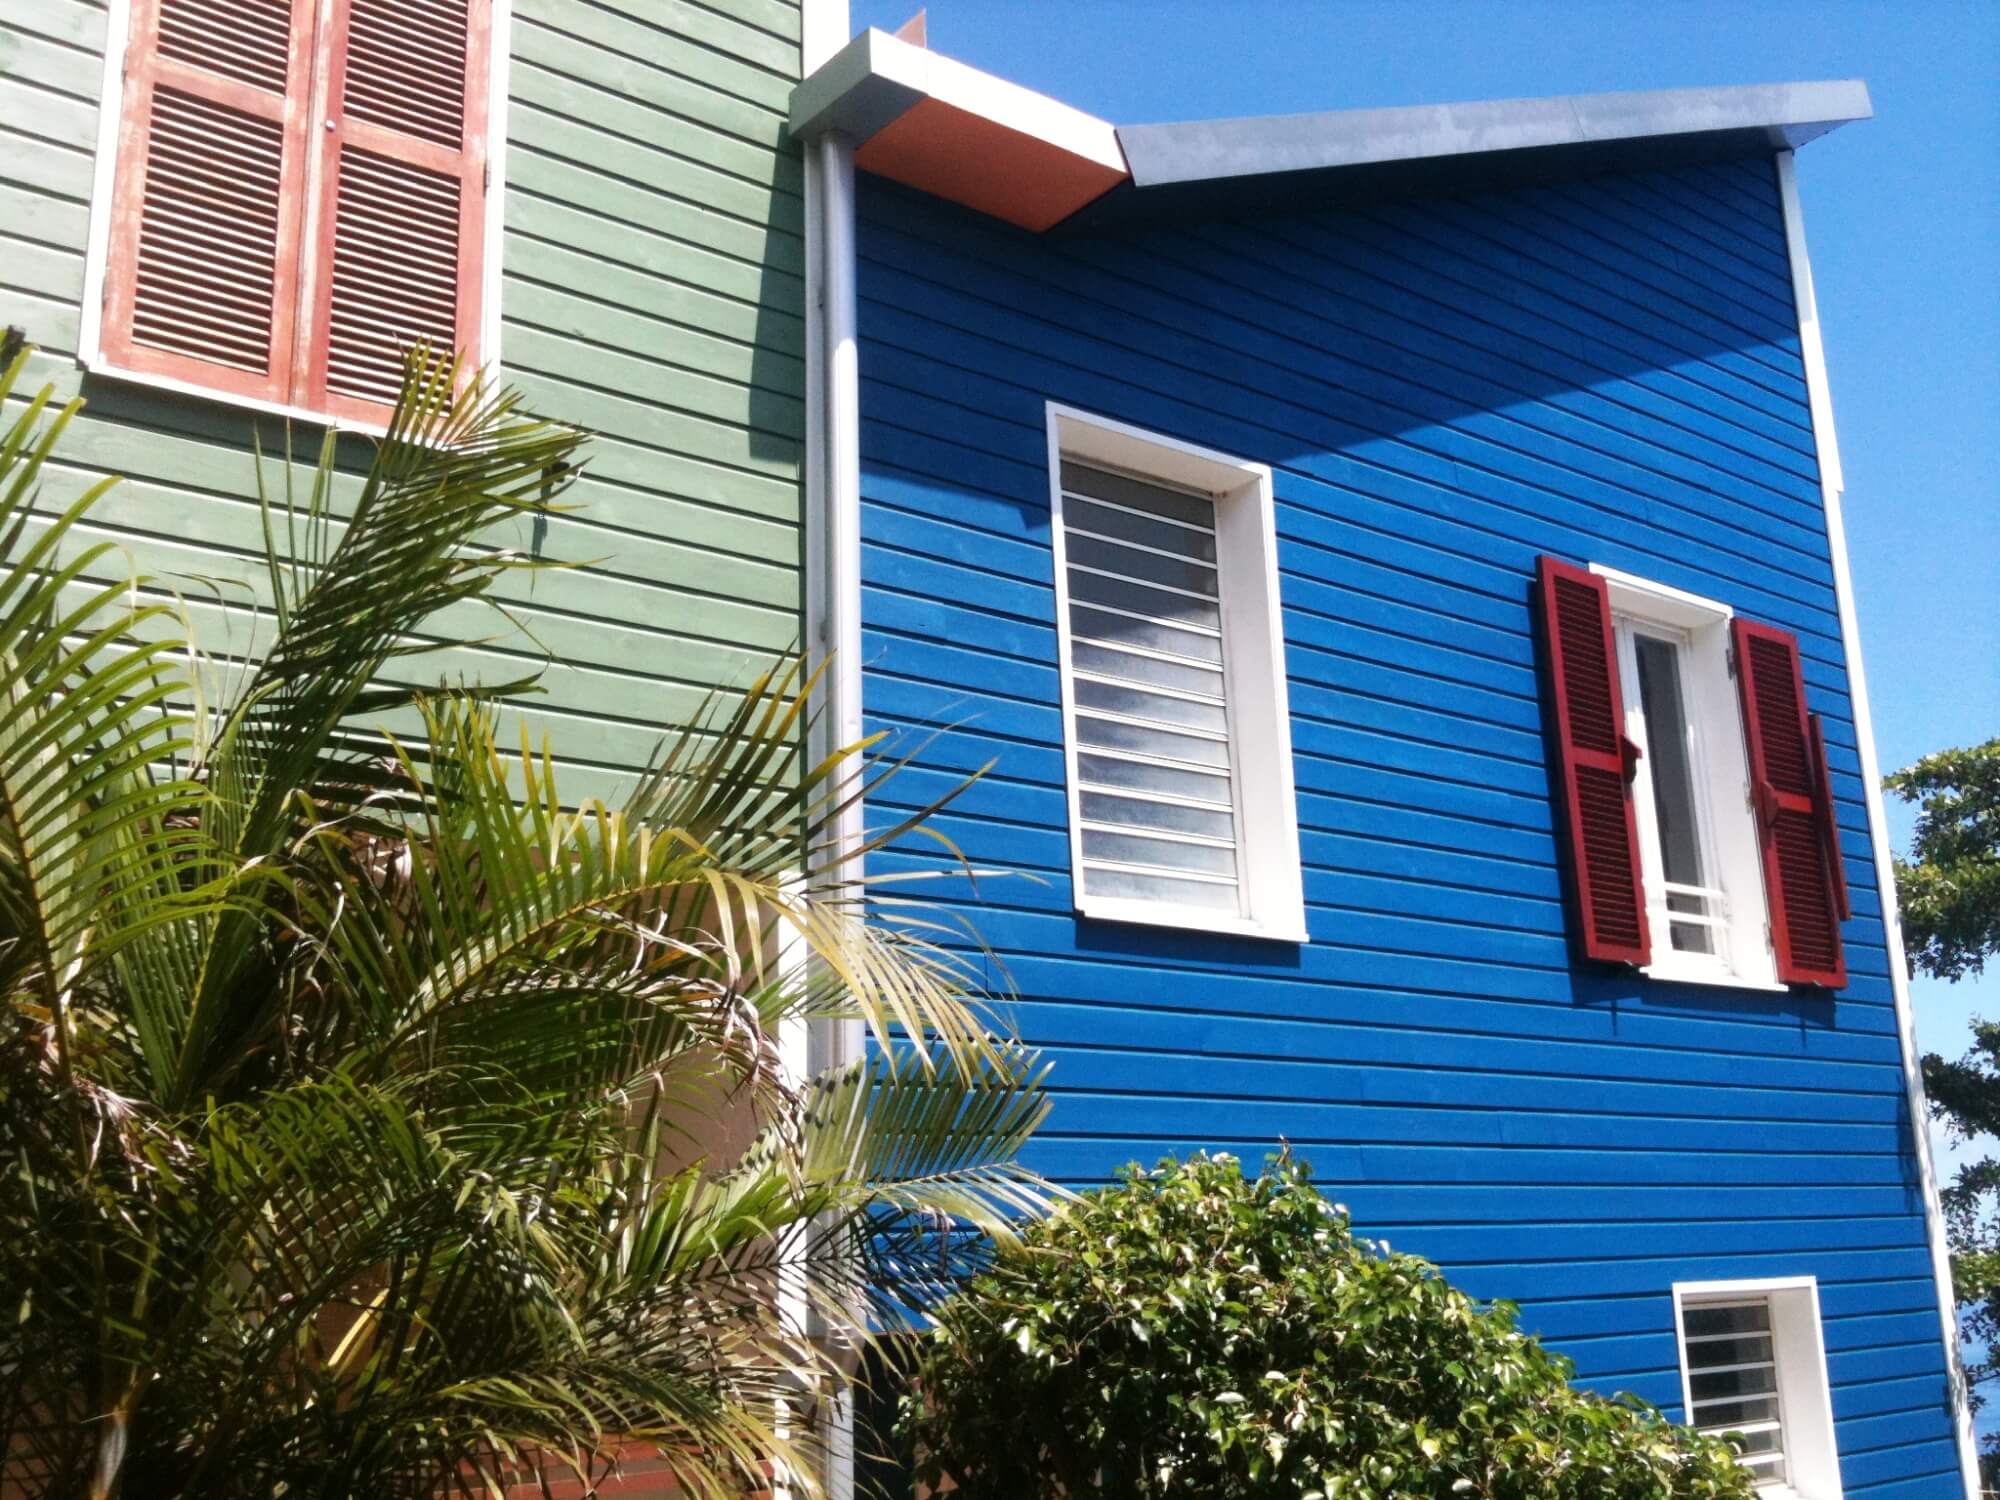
x: 1191, y: 1332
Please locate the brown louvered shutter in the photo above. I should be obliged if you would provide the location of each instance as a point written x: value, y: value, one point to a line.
x: 397, y: 253
x: 1796, y: 827
x: 208, y: 202
x: 1596, y: 762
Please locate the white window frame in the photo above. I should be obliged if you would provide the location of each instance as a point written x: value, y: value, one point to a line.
x: 1719, y: 765
x: 104, y: 168
x: 1805, y: 1393
x: 1253, y: 648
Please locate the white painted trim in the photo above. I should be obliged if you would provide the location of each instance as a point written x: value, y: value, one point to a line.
x: 103, y: 188
x: 493, y: 254
x: 832, y: 638
x: 874, y: 79
x: 1804, y: 1387
x: 1821, y: 399
x: 103, y: 183
x: 1671, y: 606
x: 1269, y: 876
x: 195, y: 391
x: 1720, y: 768
x: 823, y: 31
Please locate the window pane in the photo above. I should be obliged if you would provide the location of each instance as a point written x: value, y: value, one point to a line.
x: 1141, y: 573
x: 1144, y: 812
x: 1143, y: 703
x: 1111, y: 772
x: 1141, y: 630
x: 1735, y: 1317
x: 1130, y: 666
x: 1129, y: 526
x: 1196, y: 511
x: 1674, y: 807
x: 1733, y: 1380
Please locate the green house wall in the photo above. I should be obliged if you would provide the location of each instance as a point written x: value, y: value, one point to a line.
x: 652, y: 293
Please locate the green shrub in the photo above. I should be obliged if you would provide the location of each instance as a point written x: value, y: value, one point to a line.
x: 1193, y: 1333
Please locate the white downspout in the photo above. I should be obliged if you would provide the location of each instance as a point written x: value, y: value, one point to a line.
x: 1832, y: 483
x: 833, y: 579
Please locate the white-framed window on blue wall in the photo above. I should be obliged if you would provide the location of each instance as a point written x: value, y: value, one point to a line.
x: 1704, y: 883
x: 1753, y: 1371
x: 1176, y: 727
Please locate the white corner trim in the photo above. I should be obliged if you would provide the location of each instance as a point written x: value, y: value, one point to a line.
x: 1270, y: 872
x: 493, y: 254
x: 1831, y: 488
x: 823, y: 31
x: 104, y: 184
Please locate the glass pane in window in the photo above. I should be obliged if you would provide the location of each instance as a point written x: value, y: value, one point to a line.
x: 1733, y: 1381
x: 1674, y: 807
x: 1149, y: 698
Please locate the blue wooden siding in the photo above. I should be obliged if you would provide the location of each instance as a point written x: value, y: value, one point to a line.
x: 1609, y: 371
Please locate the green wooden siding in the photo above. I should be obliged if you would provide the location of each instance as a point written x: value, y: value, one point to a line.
x: 652, y: 292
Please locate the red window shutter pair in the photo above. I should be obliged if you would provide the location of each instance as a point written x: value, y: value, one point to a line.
x: 300, y: 195
x: 1797, y: 829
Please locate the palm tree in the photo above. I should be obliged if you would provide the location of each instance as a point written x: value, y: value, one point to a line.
x: 377, y: 1123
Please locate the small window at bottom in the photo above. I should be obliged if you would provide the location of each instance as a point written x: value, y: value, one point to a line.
x: 1732, y: 1373
x: 1753, y: 1373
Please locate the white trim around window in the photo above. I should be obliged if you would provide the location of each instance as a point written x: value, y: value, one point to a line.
x: 1713, y: 929
x: 1178, y: 758
x: 1758, y: 1354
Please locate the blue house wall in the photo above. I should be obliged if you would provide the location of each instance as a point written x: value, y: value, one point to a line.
x: 1605, y: 370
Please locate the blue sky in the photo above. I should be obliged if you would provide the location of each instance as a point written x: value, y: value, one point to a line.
x: 1902, y: 218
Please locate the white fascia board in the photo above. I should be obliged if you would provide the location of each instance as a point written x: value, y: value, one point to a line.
x: 1821, y: 401
x: 877, y: 77
x: 1784, y: 114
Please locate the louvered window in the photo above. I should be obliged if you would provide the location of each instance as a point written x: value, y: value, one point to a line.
x: 300, y: 196
x: 1732, y: 1371
x: 1178, y: 753
x: 1753, y: 1372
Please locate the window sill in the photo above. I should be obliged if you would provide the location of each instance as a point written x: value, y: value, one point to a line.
x: 197, y: 392
x: 1192, y: 919
x: 1711, y: 979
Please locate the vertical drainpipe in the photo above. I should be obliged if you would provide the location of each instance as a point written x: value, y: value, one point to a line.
x: 832, y: 626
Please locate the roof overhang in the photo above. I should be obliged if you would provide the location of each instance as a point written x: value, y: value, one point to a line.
x: 1277, y: 161
x: 953, y: 131
x: 958, y: 133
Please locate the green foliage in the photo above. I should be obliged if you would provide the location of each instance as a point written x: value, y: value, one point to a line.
x: 377, y: 1123
x: 1950, y: 891
x: 1189, y: 1332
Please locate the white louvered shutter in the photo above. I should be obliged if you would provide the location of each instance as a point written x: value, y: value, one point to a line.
x: 1156, y: 799
x: 397, y: 256
x: 202, y: 266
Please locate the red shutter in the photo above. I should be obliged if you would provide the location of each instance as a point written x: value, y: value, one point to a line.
x: 1597, y: 762
x: 1796, y: 828
x: 398, y: 242
x: 202, y: 270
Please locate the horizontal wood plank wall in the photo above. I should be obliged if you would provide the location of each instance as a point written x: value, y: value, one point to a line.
x: 653, y: 293
x: 1606, y: 370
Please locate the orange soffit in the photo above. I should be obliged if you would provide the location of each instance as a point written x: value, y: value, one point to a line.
x: 971, y: 159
